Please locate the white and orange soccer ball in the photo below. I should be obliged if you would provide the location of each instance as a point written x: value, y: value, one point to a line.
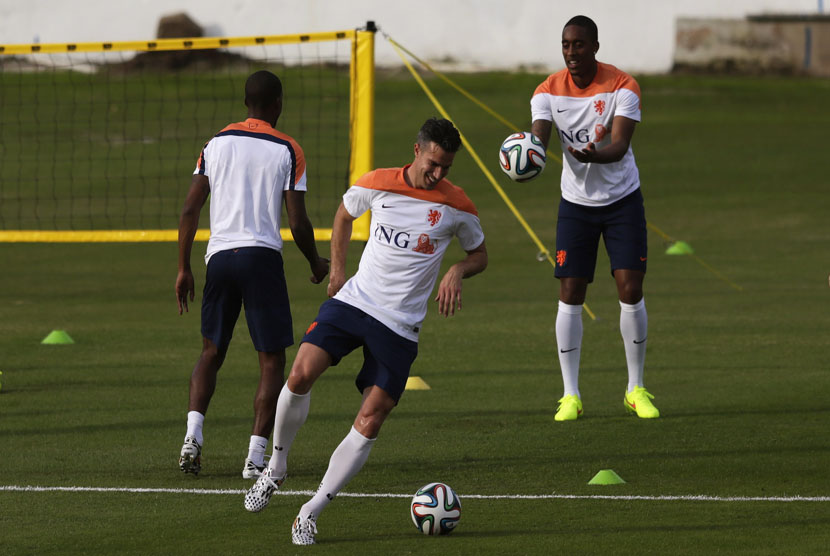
x: 435, y: 509
x: 522, y: 156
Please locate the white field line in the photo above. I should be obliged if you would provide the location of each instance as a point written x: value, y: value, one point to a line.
x: 661, y: 498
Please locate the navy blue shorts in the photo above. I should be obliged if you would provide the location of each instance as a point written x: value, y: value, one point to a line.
x: 253, y: 276
x: 622, y: 225
x: 387, y: 357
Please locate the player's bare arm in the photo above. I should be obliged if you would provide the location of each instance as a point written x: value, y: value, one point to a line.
x: 542, y: 129
x: 341, y: 234
x: 188, y: 224
x: 622, y: 130
x: 303, y: 232
x: 449, y: 290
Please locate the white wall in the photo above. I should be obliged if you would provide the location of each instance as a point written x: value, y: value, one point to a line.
x: 637, y: 35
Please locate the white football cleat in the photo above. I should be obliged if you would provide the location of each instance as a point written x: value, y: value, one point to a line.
x: 303, y: 530
x: 258, y: 496
x: 190, y: 460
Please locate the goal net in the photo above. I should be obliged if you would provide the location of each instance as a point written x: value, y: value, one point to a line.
x: 98, y: 140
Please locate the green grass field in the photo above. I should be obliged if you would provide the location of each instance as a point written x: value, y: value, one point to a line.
x: 737, y: 463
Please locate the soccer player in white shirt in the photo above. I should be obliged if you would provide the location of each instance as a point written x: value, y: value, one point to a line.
x: 249, y: 169
x: 415, y: 214
x: 595, y: 107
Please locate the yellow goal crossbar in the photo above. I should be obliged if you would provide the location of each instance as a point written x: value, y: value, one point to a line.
x: 195, y: 43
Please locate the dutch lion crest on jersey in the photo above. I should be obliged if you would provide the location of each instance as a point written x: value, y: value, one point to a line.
x: 433, y: 217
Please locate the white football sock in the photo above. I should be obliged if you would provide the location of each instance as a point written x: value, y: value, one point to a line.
x: 292, y: 411
x: 195, y: 421
x: 569, y: 342
x: 256, y: 450
x: 634, y: 330
x: 348, y: 458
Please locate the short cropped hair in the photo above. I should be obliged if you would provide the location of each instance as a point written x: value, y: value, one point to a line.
x: 262, y: 89
x: 442, y: 133
x: 586, y: 23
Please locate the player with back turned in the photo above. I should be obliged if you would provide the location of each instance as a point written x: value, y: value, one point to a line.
x: 595, y: 108
x: 249, y: 169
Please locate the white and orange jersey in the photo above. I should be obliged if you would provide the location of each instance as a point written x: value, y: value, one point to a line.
x: 410, y: 232
x: 249, y: 165
x: 586, y: 115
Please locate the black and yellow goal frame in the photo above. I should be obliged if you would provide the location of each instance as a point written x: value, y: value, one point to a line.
x: 361, y: 120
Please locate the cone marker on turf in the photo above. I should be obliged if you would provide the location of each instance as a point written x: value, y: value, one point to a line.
x: 416, y: 383
x: 606, y: 477
x: 58, y: 337
x: 680, y: 248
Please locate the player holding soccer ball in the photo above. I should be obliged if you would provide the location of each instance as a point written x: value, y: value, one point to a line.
x: 415, y: 214
x: 595, y: 107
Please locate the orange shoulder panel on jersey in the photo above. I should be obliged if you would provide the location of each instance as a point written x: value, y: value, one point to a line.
x: 392, y: 181
x: 200, y: 163
x: 299, y: 155
x: 607, y: 80
x: 252, y: 125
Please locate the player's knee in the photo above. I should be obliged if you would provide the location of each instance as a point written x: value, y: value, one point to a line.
x: 310, y: 363
x: 298, y: 382
x: 573, y: 292
x: 272, y: 362
x: 302, y: 377
x: 211, y: 354
x: 630, y: 292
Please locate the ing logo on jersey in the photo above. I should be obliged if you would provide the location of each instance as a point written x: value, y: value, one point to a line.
x: 600, y: 131
x: 424, y: 245
x: 433, y: 217
x: 402, y: 239
x: 599, y: 106
x: 575, y: 136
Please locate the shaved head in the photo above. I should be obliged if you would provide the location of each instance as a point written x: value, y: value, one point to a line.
x: 262, y: 89
x: 586, y: 23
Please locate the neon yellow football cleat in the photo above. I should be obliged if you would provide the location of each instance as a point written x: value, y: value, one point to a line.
x: 639, y: 401
x: 570, y: 408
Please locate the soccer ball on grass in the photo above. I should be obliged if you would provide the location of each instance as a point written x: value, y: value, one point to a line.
x: 435, y: 509
x: 522, y: 156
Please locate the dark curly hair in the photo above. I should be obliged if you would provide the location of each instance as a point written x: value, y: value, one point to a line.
x: 442, y: 133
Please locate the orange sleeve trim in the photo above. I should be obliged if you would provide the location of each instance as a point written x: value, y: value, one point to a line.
x: 299, y: 155
x: 200, y: 162
x: 628, y: 82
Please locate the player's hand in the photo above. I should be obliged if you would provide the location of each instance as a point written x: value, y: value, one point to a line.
x: 335, y: 283
x: 449, y: 292
x: 586, y: 155
x: 319, y: 270
x: 184, y: 287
